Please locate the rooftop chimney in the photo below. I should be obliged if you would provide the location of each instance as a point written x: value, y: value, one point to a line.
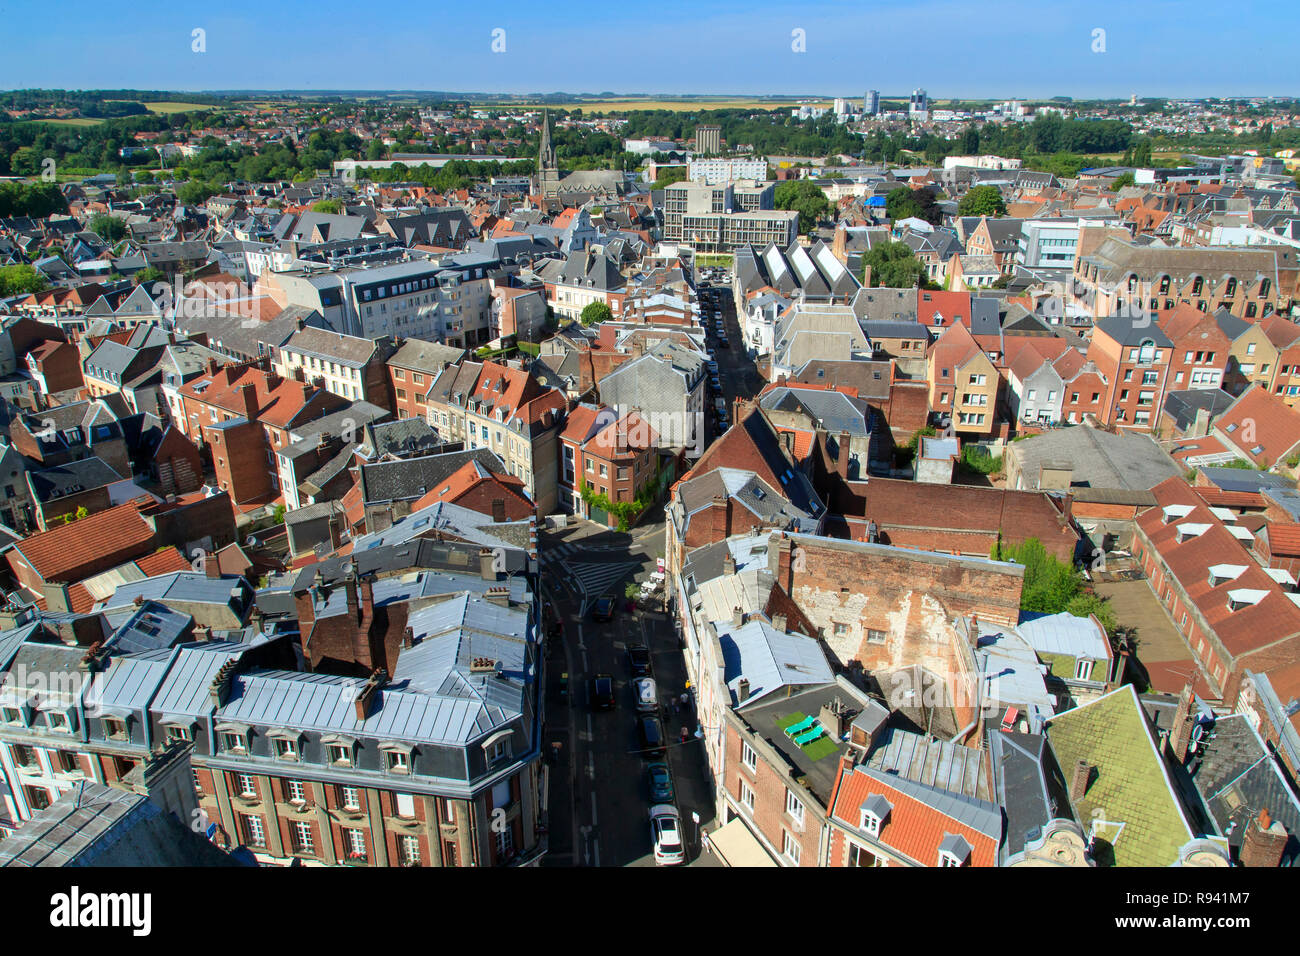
x: 1079, y: 780
x: 779, y: 622
x: 742, y: 690
x: 487, y: 564
x: 366, y: 697
x: 729, y: 564
x: 211, y: 567
x: 1180, y: 733
x: 737, y: 617
x: 1264, y: 842
x: 498, y: 510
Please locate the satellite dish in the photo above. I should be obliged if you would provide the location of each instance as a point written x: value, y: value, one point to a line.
x: 251, y: 541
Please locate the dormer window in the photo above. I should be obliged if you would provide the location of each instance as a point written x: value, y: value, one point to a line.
x: 1244, y: 597
x: 286, y: 748
x: 1221, y: 573
x: 235, y: 742
x: 1185, y: 532
x: 397, y: 758
x: 874, y: 813
x: 12, y: 715
x: 115, y: 728
x: 954, y: 850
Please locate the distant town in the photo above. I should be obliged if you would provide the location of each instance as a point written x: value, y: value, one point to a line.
x: 445, y: 480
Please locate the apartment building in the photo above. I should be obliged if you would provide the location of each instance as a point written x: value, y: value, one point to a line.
x: 444, y: 300
x: 964, y: 383
x: 714, y: 171
x: 412, y: 369
x: 316, y: 767
x: 1134, y: 356
x: 1250, y: 283
x: 507, y: 410
x: 345, y: 365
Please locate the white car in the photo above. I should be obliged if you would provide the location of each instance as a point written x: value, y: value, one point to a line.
x: 647, y: 695
x: 666, y: 830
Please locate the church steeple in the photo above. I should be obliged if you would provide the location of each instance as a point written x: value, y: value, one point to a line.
x: 546, y: 154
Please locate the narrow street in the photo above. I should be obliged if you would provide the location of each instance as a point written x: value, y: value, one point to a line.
x: 599, y: 798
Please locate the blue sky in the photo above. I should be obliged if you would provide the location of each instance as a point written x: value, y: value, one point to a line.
x: 999, y: 48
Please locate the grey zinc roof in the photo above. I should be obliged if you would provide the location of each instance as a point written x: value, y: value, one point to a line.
x: 425, y: 356
x: 1064, y: 633
x: 188, y: 586
x: 184, y: 691
x: 1029, y: 786
x: 72, y: 478
x: 128, y: 682
x: 770, y: 659
x: 413, y: 477
x: 942, y: 764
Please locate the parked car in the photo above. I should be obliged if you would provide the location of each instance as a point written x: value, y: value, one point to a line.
x: 666, y: 831
x: 661, y: 782
x: 715, y: 383
x: 647, y: 695
x: 638, y: 656
x: 600, y: 691
x: 712, y: 366
x: 650, y: 730
x: 722, y: 341
x: 603, y: 610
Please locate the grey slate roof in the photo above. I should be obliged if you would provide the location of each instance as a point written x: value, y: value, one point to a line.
x: 413, y: 477
x: 93, y: 825
x: 71, y: 478
x: 1099, y: 459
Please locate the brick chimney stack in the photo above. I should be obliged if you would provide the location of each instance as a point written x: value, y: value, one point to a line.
x: 1180, y: 733
x: 1079, y: 780
x: 1264, y: 842
x: 248, y: 401
x: 842, y: 465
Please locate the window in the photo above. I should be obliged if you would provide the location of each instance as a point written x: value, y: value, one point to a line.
x: 405, y: 805
x: 408, y: 849
x: 303, y: 841
x: 68, y: 762
x: 747, y: 796
x: 233, y: 742
x: 875, y: 637
x: 841, y: 629
x: 12, y: 715
x: 748, y: 757
x: 38, y: 798
x: 861, y: 856
x: 355, y: 841
x: 790, y: 848
x: 296, y: 790
x: 179, y: 733
x: 57, y: 721
x: 286, y: 749
x: 114, y: 729
x: 350, y: 798
x: 1082, y: 669
x: 340, y: 754
x: 399, y: 761
x: 447, y: 812
x: 24, y: 756
x: 793, y: 806
x: 247, y: 786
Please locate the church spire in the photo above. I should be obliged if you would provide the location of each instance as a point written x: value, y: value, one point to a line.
x: 546, y: 153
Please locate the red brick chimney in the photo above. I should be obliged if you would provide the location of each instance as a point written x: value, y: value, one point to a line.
x: 1264, y: 842
x: 784, y: 553
x: 721, y: 511
x: 1180, y: 732
x: 248, y: 401
x: 842, y: 465
x: 367, y: 587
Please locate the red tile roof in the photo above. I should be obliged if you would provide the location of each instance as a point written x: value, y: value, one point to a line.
x: 913, y: 828
x: 1264, y: 428
x: 70, y: 552
x: 1284, y: 538
x: 1245, y: 629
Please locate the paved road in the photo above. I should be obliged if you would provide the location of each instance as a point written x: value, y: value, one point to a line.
x: 598, y: 792
x: 736, y: 370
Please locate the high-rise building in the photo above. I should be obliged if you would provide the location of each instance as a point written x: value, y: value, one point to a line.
x: 841, y: 106
x: 708, y: 140
x: 871, y: 102
x: 920, y: 103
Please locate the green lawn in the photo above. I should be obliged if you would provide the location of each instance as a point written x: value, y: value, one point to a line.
x: 823, y: 746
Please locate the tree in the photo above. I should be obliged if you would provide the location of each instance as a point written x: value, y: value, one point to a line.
x: 674, y: 174
x: 15, y: 280
x: 982, y: 201
x: 907, y: 203
x: 149, y: 274
x: 595, y: 313
x: 805, y: 197
x: 970, y: 141
x: 195, y: 193
x: 1090, y: 603
x: 892, y: 264
x: 108, y: 227
x: 1120, y: 181
x: 332, y: 206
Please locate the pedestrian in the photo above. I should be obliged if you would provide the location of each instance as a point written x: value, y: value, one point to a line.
x: 686, y: 701
x: 677, y: 707
x: 685, y: 734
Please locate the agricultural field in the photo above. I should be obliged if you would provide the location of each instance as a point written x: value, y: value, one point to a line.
x: 167, y: 106
x: 75, y: 121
